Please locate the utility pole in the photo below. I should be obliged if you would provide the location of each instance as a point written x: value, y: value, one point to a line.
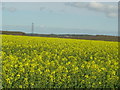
x: 32, y: 28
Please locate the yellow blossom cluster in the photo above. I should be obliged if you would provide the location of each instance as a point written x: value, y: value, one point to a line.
x: 42, y: 62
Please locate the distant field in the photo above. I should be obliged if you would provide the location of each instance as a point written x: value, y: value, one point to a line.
x: 71, y: 36
x: 42, y: 62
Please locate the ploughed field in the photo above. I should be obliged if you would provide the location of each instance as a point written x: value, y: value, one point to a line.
x: 42, y: 62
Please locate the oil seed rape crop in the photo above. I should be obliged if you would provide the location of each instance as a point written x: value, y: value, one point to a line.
x: 41, y: 62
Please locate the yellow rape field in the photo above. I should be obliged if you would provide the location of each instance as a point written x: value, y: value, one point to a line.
x: 42, y: 62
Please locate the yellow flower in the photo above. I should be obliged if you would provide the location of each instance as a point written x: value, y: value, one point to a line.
x: 83, y: 80
x: 82, y: 66
x: 68, y: 63
x: 76, y: 68
x: 100, y: 83
x: 8, y: 79
x: 47, y: 70
x: 20, y: 86
x: 91, y: 57
x: 73, y: 65
x: 40, y: 72
x: 25, y: 79
x: 86, y: 76
x: 26, y: 64
x: 113, y: 72
x: 68, y: 76
x: 93, y: 83
x: 99, y: 70
x: 66, y: 70
x: 88, y: 66
x: 18, y: 75
x: 103, y: 68
x: 32, y: 84
x: 53, y: 72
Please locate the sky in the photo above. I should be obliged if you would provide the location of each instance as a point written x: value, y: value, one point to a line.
x: 61, y: 17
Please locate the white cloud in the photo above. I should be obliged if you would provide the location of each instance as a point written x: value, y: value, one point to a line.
x: 10, y: 9
x: 112, y: 15
x: 109, y: 10
x: 96, y: 6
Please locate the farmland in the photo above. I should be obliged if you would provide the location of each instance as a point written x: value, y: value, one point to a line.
x: 42, y: 62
